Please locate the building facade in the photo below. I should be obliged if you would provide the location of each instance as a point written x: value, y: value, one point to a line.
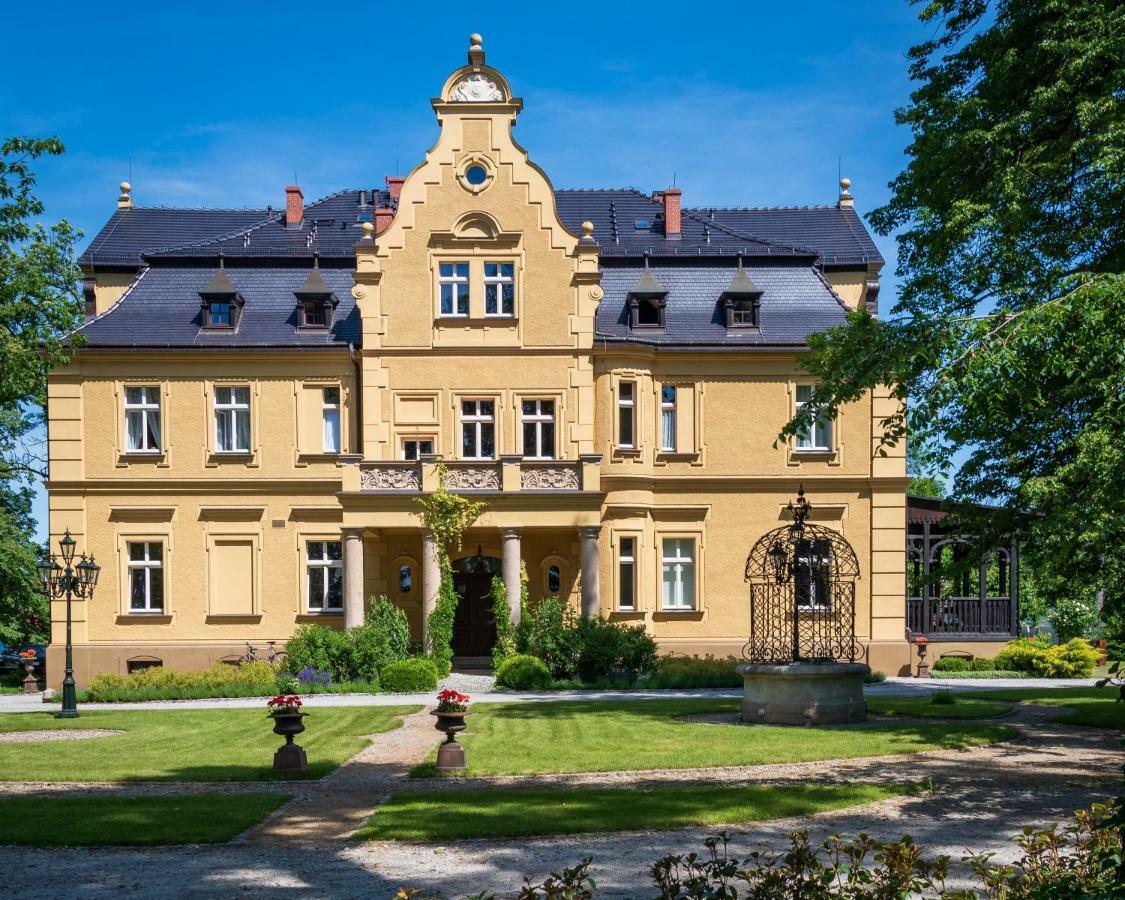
x: 262, y: 395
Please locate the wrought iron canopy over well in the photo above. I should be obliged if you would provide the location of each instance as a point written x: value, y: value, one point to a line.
x: 802, y: 593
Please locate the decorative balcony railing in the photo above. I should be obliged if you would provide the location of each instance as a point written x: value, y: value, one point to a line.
x: 508, y: 474
x: 962, y: 616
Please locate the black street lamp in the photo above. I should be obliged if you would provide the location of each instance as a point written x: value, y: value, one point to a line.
x: 68, y: 581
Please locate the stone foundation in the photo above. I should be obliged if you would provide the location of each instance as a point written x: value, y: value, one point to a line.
x: 805, y: 693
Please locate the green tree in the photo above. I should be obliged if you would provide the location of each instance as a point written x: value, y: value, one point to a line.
x: 39, y: 306
x: 1007, y: 335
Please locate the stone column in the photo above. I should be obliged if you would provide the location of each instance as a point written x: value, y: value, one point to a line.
x: 353, y: 577
x: 431, y: 583
x: 591, y: 570
x: 510, y: 570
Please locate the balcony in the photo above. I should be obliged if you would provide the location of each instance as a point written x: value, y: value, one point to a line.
x: 992, y: 618
x: 507, y: 475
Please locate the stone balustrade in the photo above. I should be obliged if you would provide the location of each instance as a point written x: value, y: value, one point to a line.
x: 508, y: 474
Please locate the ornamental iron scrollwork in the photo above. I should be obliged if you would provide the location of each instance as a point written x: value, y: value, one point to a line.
x: 550, y: 478
x: 472, y: 478
x: 390, y: 478
x: 802, y: 593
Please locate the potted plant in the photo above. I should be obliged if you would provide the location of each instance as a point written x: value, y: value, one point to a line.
x: 285, y: 710
x: 29, y: 658
x: 923, y: 666
x: 452, y: 707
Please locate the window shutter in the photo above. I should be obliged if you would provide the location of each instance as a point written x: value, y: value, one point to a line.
x: 310, y: 424
x: 685, y: 419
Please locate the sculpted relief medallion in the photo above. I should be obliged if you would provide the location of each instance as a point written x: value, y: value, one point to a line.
x: 476, y: 89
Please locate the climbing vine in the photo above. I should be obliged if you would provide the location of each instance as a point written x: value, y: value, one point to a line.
x: 447, y: 516
x: 506, y: 639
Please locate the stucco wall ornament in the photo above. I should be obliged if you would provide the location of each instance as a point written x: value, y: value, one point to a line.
x: 472, y: 478
x: 550, y: 478
x: 389, y: 478
x: 476, y: 89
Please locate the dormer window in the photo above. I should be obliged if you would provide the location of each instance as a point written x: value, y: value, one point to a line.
x: 222, y: 304
x: 742, y: 302
x: 646, y: 302
x: 315, y: 301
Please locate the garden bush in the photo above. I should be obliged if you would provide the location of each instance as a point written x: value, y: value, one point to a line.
x: 357, y: 654
x: 692, y: 672
x: 1074, y: 659
x: 1020, y: 656
x: 1073, y: 618
x: 983, y: 665
x: 548, y: 631
x: 613, y: 650
x: 157, y: 683
x: 409, y: 676
x: 874, y: 677
x: 992, y: 673
x: 523, y: 673
x: 951, y: 664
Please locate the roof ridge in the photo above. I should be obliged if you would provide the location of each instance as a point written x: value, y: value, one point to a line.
x: 604, y: 190
x: 831, y: 290
x: 116, y: 303
x: 711, y: 223
x: 205, y: 208
x: 238, y: 232
x: 762, y: 208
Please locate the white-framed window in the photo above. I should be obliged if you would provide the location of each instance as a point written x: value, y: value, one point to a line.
x: 538, y: 419
x: 819, y: 436
x: 453, y: 282
x: 142, y: 419
x: 330, y: 413
x: 325, y: 567
x: 677, y: 569
x: 627, y: 414
x: 416, y: 447
x: 499, y: 289
x: 668, y: 418
x: 232, y: 420
x: 627, y: 573
x: 478, y: 429
x: 146, y: 576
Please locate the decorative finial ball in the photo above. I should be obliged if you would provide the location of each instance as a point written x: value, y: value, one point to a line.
x: 845, y: 183
x: 126, y: 187
x: 475, y: 40
x: 587, y: 228
x: 368, y: 230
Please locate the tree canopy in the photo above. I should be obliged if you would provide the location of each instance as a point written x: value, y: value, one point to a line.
x: 1006, y: 339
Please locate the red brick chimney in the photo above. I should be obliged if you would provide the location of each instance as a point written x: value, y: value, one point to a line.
x: 294, y: 206
x: 383, y: 218
x: 672, y: 228
x: 394, y: 186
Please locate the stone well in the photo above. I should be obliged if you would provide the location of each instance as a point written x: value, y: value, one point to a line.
x: 803, y: 693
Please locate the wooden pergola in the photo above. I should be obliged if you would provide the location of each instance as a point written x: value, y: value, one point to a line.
x: 949, y: 595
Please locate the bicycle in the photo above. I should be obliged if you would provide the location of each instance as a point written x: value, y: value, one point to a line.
x: 274, y: 656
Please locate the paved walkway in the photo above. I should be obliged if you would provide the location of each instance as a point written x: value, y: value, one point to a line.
x: 981, y: 797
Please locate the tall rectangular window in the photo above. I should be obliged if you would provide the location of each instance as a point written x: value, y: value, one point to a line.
x: 668, y: 418
x: 478, y: 429
x: 330, y: 412
x: 325, y: 566
x: 232, y: 419
x: 415, y: 448
x: 453, y: 282
x: 627, y: 573
x: 811, y: 574
x: 499, y: 289
x: 538, y: 417
x: 142, y: 419
x: 819, y: 436
x: 146, y: 576
x: 626, y: 414
x: 677, y: 565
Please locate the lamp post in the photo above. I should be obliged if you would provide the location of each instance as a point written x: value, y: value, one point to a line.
x: 68, y: 581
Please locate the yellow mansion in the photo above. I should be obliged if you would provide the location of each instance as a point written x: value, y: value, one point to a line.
x: 262, y: 395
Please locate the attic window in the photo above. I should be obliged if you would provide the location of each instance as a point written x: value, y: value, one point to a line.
x: 648, y: 312
x: 315, y: 301
x: 742, y: 301
x: 220, y: 314
x: 314, y: 314
x: 642, y: 225
x: 222, y: 304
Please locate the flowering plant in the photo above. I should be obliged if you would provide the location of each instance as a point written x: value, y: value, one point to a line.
x: 28, y: 654
x: 921, y: 640
x: 452, y: 701
x: 284, y: 703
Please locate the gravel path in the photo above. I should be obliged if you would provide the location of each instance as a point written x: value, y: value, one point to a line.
x: 67, y: 734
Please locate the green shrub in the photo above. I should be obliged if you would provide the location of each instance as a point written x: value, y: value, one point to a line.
x: 1073, y: 618
x: 613, y: 650
x: 983, y: 665
x: 874, y: 677
x: 951, y: 664
x: 1020, y: 656
x: 523, y: 673
x: 549, y: 630
x: 356, y: 654
x: 684, y: 672
x: 323, y: 648
x: 287, y: 683
x: 942, y: 698
x: 440, y: 622
x: 1074, y: 659
x: 409, y: 676
x: 994, y: 673
x: 219, y: 680
x: 505, y: 631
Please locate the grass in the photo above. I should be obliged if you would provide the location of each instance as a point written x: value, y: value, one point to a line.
x: 131, y: 821
x: 186, y: 745
x: 1092, y: 706
x: 924, y: 707
x: 455, y: 815
x: 592, y: 736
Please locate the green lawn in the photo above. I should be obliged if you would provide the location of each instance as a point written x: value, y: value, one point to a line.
x: 1092, y: 706
x: 186, y: 745
x: 69, y: 821
x: 454, y: 815
x: 599, y: 736
x: 925, y: 708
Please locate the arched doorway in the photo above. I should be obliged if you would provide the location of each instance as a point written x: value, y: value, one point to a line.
x: 474, y: 628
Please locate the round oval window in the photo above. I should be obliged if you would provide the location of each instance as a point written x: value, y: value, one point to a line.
x: 476, y: 174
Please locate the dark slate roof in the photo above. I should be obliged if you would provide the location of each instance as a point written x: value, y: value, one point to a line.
x: 163, y: 308
x: 331, y: 227
x: 796, y: 301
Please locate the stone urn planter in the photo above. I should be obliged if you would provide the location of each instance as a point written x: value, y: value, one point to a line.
x: 450, y: 715
x: 287, y: 722
x: 30, y: 682
x: 923, y: 664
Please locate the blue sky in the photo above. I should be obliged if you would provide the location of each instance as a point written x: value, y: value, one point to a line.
x: 743, y: 105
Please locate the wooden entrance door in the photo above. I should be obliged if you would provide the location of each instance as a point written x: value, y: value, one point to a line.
x: 474, y: 628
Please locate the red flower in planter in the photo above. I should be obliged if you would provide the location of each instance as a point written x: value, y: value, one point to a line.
x: 921, y: 640
x: 452, y: 701
x: 284, y: 703
x: 28, y: 654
